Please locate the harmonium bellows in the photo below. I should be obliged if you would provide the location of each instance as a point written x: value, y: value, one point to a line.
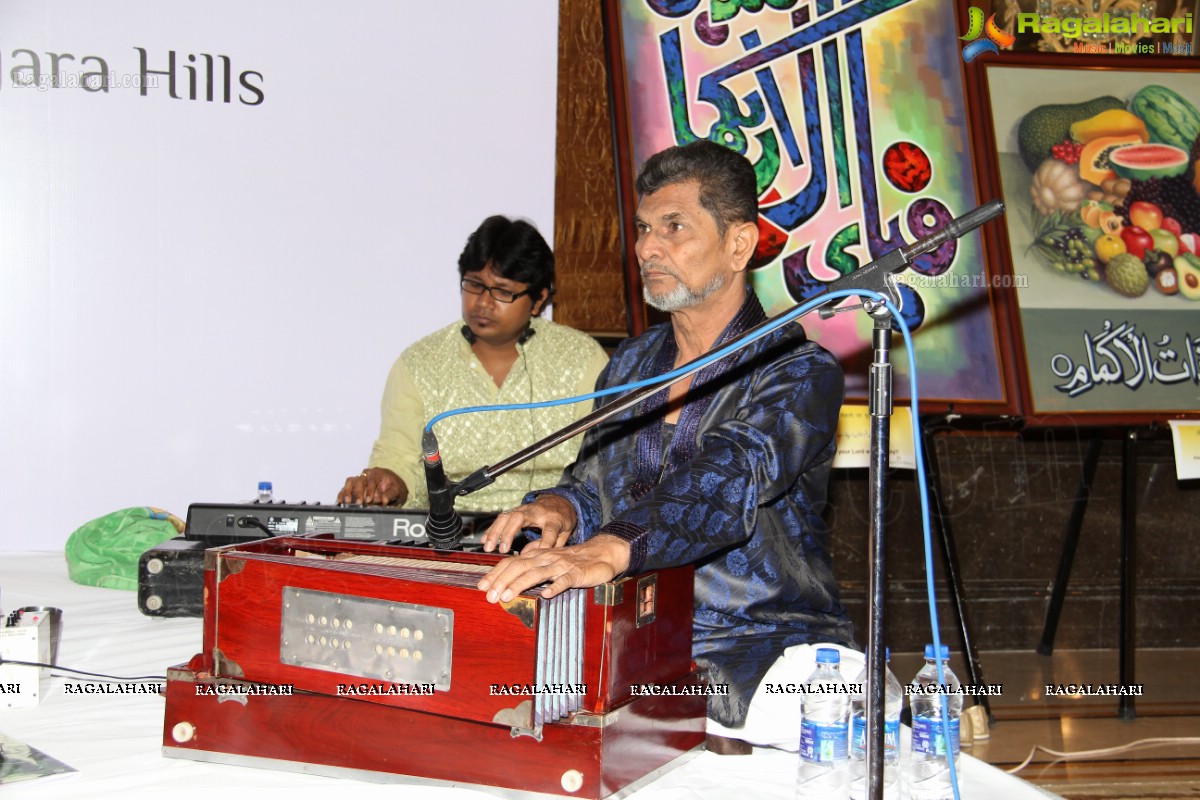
x: 387, y: 663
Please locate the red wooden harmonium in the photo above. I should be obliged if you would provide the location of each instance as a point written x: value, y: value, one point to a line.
x: 387, y: 663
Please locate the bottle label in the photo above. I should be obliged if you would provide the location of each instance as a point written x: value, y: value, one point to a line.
x: 928, y: 738
x: 891, y: 738
x: 823, y: 742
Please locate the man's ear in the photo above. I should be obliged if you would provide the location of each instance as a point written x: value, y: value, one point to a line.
x: 742, y: 238
x: 539, y: 302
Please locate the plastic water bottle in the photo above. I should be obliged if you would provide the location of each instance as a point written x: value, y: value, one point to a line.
x: 264, y: 492
x: 824, y: 730
x: 893, y: 704
x: 928, y: 776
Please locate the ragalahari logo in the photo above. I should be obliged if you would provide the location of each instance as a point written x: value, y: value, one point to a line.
x: 994, y: 37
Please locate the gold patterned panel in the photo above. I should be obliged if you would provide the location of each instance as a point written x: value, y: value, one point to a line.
x: 587, y: 238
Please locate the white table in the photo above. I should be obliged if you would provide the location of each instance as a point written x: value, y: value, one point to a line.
x: 115, y: 740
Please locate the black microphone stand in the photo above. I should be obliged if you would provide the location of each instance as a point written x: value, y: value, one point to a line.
x: 880, y: 408
x: 878, y: 277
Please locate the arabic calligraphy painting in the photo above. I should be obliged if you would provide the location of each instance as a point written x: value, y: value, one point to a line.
x: 853, y: 116
x: 1103, y: 227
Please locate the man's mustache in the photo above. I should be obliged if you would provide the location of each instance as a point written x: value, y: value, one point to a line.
x: 655, y: 267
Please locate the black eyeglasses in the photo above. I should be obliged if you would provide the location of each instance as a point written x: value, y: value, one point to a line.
x: 499, y: 295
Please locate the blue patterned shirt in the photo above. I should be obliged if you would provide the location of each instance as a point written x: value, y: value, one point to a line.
x: 739, y: 493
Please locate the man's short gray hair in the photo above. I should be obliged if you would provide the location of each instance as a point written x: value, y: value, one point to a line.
x: 728, y: 185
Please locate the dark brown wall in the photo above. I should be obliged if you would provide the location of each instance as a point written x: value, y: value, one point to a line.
x: 1008, y: 499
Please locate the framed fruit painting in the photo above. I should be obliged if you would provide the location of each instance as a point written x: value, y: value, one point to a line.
x: 1096, y: 159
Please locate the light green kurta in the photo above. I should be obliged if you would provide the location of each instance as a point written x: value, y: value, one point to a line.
x: 439, y: 373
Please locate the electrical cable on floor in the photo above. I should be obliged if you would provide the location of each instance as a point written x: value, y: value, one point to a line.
x: 1104, y: 751
x: 60, y: 668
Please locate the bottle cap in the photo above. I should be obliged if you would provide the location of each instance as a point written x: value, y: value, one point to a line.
x: 264, y: 486
x: 827, y: 655
x: 945, y: 653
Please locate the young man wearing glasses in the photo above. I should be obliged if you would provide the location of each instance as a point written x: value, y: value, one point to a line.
x: 500, y: 352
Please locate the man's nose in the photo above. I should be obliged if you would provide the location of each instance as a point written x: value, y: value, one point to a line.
x: 485, y: 299
x: 646, y: 247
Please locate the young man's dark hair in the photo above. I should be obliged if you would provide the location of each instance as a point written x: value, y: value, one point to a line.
x: 515, y: 250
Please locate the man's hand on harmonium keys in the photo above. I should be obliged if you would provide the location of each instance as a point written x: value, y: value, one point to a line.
x: 596, y: 561
x: 547, y: 560
x: 550, y: 515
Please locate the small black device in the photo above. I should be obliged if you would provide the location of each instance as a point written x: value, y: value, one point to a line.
x: 171, y: 579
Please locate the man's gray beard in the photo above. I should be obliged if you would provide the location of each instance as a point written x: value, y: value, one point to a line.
x: 681, y: 296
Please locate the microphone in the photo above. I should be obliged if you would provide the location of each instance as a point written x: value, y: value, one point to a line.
x: 955, y: 228
x: 877, y: 275
x: 443, y: 526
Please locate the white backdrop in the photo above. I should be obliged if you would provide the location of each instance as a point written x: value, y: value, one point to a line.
x: 194, y: 295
